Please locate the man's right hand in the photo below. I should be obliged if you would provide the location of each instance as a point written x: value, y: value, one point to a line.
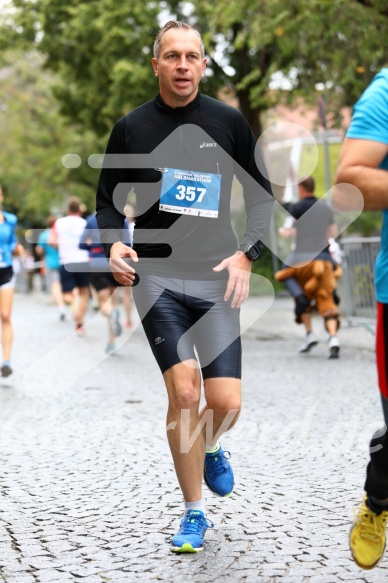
x: 122, y: 271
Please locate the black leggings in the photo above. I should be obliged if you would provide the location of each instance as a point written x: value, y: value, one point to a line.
x: 377, y: 471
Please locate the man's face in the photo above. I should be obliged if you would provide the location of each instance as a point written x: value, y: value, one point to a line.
x: 179, y: 66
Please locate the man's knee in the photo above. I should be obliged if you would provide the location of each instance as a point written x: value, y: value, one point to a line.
x: 5, y: 319
x: 222, y: 405
x: 184, y: 396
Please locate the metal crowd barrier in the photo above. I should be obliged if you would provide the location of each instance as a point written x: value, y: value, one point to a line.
x: 358, y: 263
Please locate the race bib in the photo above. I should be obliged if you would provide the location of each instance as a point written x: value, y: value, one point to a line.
x: 190, y: 193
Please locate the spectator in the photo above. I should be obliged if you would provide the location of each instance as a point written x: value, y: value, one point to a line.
x: 309, y: 272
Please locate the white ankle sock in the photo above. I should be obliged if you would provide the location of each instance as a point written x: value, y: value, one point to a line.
x: 197, y: 505
x: 212, y: 448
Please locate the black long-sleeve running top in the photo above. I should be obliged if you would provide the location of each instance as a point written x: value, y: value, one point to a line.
x: 181, y: 163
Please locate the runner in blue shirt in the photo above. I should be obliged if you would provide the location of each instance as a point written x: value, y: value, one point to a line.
x: 52, y: 264
x: 9, y: 247
x: 364, y: 164
x: 101, y: 277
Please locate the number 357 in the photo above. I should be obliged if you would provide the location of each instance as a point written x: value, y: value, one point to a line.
x: 190, y: 193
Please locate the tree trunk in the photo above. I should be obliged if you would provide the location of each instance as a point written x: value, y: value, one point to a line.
x: 252, y: 115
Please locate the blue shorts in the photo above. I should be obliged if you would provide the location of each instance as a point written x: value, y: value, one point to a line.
x: 74, y: 275
x: 189, y: 319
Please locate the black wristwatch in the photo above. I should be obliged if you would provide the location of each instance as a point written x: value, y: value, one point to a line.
x: 252, y: 252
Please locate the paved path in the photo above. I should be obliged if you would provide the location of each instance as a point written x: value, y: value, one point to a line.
x: 88, y: 491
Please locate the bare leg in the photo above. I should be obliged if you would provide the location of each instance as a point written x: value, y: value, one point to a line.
x: 105, y: 303
x: 331, y: 326
x: 223, y: 405
x: 127, y: 301
x: 6, y: 301
x: 183, y: 385
x: 306, y: 319
x: 82, y: 305
x: 70, y: 298
x: 56, y: 292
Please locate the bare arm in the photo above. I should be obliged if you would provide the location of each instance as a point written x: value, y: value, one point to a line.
x: 332, y: 231
x: 52, y: 239
x: 358, y: 166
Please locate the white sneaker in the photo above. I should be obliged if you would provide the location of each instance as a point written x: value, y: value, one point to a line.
x: 309, y: 341
x: 334, y: 347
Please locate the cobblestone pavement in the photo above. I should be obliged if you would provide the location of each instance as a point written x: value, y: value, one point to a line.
x: 88, y: 491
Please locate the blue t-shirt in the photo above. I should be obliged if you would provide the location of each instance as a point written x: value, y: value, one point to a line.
x: 370, y: 122
x: 51, y: 253
x: 8, y: 239
x: 90, y: 241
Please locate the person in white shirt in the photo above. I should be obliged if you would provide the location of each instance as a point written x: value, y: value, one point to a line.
x: 74, y: 262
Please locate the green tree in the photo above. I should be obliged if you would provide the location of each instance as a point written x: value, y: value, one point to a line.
x: 334, y: 46
x: 101, y: 50
x: 35, y: 140
x: 96, y: 55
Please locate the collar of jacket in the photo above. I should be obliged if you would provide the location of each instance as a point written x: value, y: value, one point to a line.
x: 187, y: 109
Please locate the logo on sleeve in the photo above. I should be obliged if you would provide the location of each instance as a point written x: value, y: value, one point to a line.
x: 208, y: 145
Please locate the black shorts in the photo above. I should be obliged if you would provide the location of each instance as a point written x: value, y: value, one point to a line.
x: 102, y: 280
x: 74, y: 275
x: 185, y: 317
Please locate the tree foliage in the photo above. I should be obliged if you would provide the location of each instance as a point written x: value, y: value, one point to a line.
x: 94, y: 57
x: 35, y: 139
x: 101, y: 50
x: 335, y: 46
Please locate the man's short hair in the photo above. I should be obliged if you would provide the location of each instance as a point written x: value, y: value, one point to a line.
x: 170, y: 25
x: 73, y: 205
x: 308, y: 184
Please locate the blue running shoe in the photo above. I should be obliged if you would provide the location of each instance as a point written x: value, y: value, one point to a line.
x: 110, y: 348
x: 218, y: 473
x: 190, y: 536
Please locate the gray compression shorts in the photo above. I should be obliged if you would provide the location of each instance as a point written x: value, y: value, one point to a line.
x: 189, y: 319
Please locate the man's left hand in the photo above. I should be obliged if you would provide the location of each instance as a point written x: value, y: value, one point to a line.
x: 239, y: 268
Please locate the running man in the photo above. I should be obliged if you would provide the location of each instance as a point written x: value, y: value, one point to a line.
x: 191, y: 274
x: 364, y: 164
x: 65, y: 235
x: 101, y: 277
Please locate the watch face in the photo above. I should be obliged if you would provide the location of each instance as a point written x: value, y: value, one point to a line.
x: 252, y: 253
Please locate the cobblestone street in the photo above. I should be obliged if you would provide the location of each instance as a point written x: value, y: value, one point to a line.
x: 88, y: 489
